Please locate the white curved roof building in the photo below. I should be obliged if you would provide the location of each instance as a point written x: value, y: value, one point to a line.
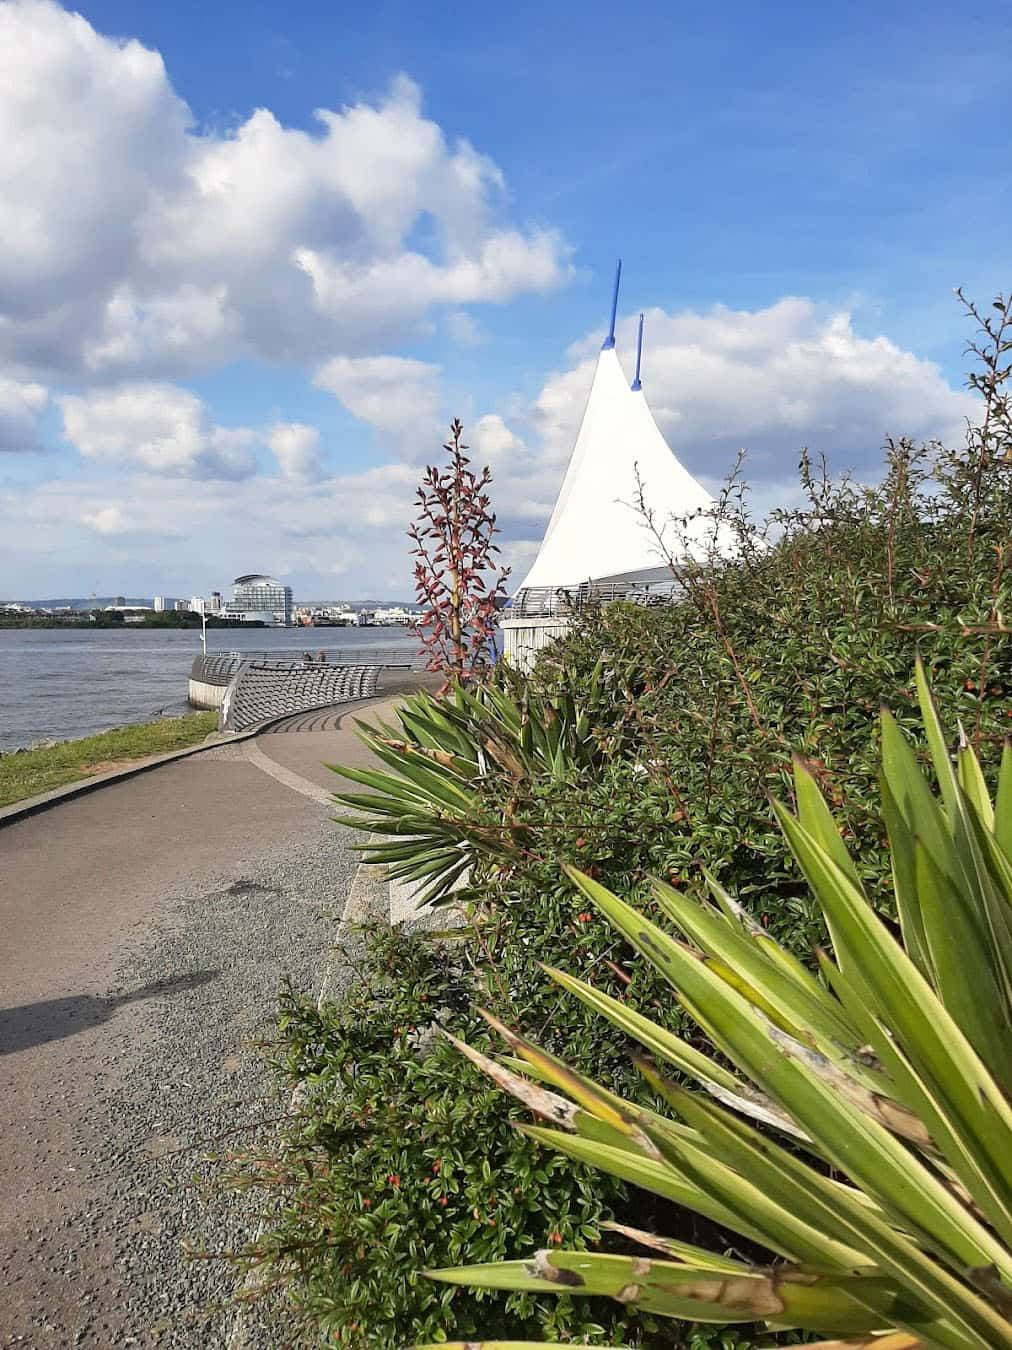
x: 597, y: 540
x: 595, y: 533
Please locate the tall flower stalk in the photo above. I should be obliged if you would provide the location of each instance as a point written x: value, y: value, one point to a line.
x: 457, y: 578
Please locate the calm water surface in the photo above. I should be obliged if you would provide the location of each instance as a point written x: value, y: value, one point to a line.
x: 61, y: 683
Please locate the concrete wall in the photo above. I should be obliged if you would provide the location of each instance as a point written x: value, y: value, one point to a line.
x: 524, y: 638
x: 203, y: 695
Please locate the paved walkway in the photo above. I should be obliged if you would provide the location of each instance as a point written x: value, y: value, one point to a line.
x: 146, y: 929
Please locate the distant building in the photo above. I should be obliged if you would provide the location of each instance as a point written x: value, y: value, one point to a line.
x: 260, y: 599
x: 161, y: 604
x: 180, y: 606
x: 393, y: 616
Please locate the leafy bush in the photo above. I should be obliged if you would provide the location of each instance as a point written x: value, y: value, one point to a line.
x: 677, y: 725
x: 890, y: 1207
x: 398, y: 1159
x: 436, y: 805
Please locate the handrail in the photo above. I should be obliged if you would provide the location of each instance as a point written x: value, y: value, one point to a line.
x: 537, y: 602
x: 219, y: 668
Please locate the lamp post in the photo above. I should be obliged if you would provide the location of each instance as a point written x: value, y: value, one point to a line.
x: 203, y: 630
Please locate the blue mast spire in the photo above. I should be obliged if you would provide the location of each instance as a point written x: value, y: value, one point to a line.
x: 609, y: 341
x: 639, y: 356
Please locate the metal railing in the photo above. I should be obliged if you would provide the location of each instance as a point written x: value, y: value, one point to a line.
x: 559, y: 602
x: 219, y: 668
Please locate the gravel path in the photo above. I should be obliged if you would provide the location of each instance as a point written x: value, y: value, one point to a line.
x: 113, y: 1097
x: 178, y: 1069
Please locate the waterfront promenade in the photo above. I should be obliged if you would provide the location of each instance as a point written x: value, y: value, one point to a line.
x: 147, y: 927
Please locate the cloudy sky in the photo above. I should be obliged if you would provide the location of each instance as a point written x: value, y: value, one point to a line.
x: 254, y: 256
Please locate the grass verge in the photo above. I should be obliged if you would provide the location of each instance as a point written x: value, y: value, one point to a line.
x: 28, y: 773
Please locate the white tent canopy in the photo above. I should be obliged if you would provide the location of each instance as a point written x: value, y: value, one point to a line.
x: 596, y: 532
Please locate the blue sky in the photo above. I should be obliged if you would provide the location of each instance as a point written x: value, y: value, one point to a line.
x: 853, y: 157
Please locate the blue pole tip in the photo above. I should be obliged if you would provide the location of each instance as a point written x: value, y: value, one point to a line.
x: 609, y: 341
x: 639, y: 357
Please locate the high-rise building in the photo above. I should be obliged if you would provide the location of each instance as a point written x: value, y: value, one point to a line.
x: 161, y: 604
x: 258, y: 598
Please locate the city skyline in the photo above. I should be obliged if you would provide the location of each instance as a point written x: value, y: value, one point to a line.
x: 242, y: 298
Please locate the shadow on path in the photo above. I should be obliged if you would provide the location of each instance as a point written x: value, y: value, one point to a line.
x: 53, y: 1019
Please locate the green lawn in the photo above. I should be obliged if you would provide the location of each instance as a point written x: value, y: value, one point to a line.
x: 35, y: 771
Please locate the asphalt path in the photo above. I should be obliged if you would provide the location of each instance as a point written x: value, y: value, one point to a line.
x: 145, y: 930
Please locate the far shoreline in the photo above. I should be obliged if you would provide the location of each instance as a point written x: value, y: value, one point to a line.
x: 147, y: 625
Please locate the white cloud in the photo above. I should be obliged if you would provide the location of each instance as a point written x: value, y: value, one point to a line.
x: 492, y: 438
x: 464, y: 329
x: 397, y: 395
x: 106, y: 520
x: 772, y: 380
x: 296, y: 447
x: 21, y: 405
x: 158, y: 426
x: 170, y: 539
x: 137, y: 245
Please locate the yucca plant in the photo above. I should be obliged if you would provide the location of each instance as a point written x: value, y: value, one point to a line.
x: 863, y: 1137
x: 430, y: 803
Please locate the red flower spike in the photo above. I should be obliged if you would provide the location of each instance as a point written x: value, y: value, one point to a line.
x: 450, y: 579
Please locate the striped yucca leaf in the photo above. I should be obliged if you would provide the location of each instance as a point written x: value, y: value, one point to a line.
x: 863, y: 1135
x: 424, y: 795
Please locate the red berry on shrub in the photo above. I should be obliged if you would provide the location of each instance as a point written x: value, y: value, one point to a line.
x: 555, y: 1237
x: 443, y: 1201
x: 367, y: 1202
x: 580, y: 842
x: 394, y: 1179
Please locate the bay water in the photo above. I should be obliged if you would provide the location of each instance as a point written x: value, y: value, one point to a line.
x: 62, y: 683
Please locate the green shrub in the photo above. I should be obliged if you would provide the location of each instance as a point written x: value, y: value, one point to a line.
x: 400, y: 1157
x: 688, y: 715
x: 887, y: 1208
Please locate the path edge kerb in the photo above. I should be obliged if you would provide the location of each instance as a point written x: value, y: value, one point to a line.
x: 31, y: 806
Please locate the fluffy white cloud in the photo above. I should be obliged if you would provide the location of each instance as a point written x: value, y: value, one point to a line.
x: 296, y: 447
x: 106, y: 520
x: 492, y: 438
x: 771, y: 380
x: 135, y: 244
x: 21, y: 405
x: 397, y: 395
x: 169, y: 539
x: 160, y: 426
